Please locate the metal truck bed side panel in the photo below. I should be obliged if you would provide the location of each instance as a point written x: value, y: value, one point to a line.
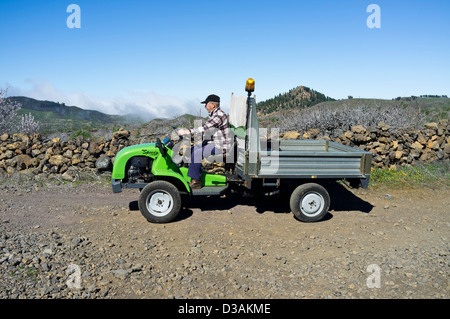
x: 309, y: 165
x: 314, y: 159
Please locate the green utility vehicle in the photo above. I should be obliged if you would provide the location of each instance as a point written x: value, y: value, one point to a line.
x: 254, y: 165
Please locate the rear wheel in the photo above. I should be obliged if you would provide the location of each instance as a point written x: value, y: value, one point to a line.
x: 159, y: 202
x: 310, y: 202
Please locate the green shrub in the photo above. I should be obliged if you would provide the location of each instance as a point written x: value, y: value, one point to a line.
x: 81, y: 133
x: 428, y: 175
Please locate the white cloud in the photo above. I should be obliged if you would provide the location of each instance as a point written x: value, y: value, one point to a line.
x: 146, y: 104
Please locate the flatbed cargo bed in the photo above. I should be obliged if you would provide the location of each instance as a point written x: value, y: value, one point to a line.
x: 310, y: 159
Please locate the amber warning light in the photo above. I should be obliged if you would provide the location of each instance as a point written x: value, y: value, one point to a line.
x: 250, y: 85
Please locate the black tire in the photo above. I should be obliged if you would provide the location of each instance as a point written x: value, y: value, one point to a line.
x: 310, y: 202
x: 159, y: 202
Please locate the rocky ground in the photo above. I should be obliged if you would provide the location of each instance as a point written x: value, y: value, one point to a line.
x: 83, y: 241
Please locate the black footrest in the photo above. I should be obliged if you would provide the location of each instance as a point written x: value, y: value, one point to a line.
x: 209, y: 190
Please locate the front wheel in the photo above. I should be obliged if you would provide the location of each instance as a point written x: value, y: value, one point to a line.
x: 159, y: 202
x: 310, y: 202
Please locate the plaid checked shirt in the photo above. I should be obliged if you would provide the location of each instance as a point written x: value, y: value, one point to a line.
x: 217, y: 130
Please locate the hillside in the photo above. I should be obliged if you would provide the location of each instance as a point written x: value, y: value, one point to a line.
x: 146, y: 132
x: 298, y: 98
x: 329, y: 115
x: 432, y: 109
x: 55, y: 116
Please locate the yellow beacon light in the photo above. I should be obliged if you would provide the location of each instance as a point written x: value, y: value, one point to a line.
x: 250, y: 85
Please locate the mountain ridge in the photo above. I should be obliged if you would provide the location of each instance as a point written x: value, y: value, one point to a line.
x: 55, y: 116
x: 63, y: 110
x: 299, y: 97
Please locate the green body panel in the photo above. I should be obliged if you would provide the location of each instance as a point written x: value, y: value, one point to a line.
x: 206, y: 179
x: 213, y: 179
x: 125, y: 154
x: 162, y: 165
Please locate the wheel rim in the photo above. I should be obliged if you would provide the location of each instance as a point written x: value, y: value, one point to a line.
x: 159, y: 203
x: 312, y: 204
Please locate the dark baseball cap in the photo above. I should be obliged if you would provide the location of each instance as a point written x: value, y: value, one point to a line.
x: 212, y: 98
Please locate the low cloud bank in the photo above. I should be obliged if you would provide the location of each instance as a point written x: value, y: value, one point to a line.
x: 144, y: 104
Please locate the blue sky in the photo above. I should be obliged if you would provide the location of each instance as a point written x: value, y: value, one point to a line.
x: 163, y: 57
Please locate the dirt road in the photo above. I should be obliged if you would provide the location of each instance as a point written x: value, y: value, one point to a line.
x: 373, y: 244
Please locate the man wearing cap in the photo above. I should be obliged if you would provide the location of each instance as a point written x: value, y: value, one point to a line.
x: 218, y: 131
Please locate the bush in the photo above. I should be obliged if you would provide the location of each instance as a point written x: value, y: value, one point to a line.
x: 8, y: 112
x: 83, y: 134
x: 328, y: 118
x: 28, y: 125
x: 9, y: 120
x: 431, y: 175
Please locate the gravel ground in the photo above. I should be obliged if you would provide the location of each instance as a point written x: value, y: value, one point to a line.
x: 82, y: 241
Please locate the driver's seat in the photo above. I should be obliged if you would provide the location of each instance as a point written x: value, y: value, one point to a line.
x: 238, y: 121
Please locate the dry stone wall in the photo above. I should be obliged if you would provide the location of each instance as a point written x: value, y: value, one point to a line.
x: 46, y: 157
x: 390, y: 146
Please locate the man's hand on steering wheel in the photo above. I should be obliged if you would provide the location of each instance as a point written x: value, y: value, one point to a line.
x: 183, y: 131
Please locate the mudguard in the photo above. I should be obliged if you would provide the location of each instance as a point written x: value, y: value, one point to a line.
x: 125, y: 154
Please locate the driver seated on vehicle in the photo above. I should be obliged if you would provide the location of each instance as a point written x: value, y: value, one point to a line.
x: 219, y: 143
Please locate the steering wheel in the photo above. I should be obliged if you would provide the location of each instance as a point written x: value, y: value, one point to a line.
x: 161, y: 148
